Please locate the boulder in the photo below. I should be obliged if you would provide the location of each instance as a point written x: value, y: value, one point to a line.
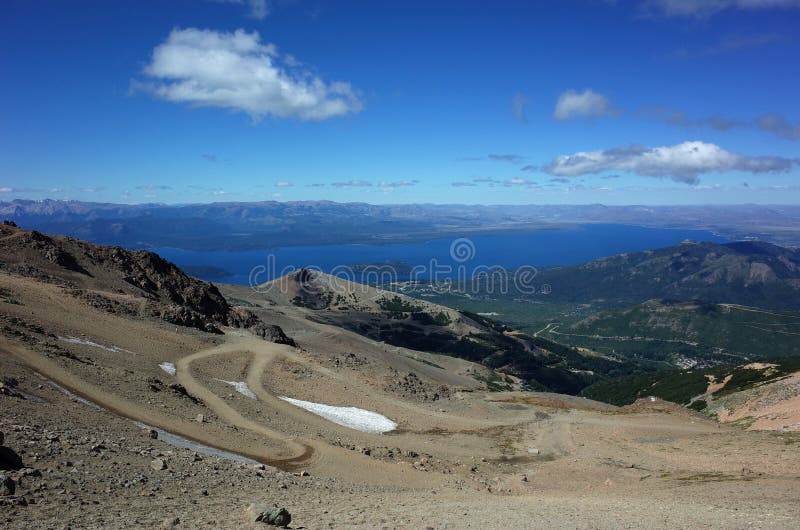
x: 150, y: 433
x: 171, y: 522
x: 9, y: 460
x: 271, y: 515
x: 158, y: 464
x: 7, y: 486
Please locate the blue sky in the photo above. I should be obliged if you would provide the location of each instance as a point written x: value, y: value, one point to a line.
x: 637, y: 102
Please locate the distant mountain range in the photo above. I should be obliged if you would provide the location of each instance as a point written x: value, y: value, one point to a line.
x: 688, y: 303
x: 748, y: 273
x: 258, y: 225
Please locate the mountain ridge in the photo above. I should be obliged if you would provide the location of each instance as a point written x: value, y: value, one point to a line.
x: 210, y: 226
x: 750, y: 273
x: 120, y: 280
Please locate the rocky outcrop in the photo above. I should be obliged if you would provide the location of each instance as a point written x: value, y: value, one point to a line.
x: 85, y: 268
x: 271, y: 515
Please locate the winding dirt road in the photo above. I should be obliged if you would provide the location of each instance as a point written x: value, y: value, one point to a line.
x: 278, y: 449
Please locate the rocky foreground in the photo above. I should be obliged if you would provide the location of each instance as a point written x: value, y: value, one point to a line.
x: 80, y: 467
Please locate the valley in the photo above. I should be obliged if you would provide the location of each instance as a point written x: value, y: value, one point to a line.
x: 467, y: 432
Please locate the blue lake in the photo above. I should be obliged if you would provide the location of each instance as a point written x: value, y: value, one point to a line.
x: 541, y: 248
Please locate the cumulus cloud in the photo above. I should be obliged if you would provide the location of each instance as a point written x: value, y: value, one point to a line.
x: 587, y: 104
x: 518, y: 104
x: 237, y: 71
x: 683, y: 162
x: 706, y: 8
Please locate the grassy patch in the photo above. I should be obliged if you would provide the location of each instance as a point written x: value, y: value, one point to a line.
x: 712, y: 476
x: 744, y: 423
x: 425, y: 361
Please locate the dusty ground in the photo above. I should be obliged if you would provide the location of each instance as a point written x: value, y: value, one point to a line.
x: 774, y: 406
x: 466, y: 459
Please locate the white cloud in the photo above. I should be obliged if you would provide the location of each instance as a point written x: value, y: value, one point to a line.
x: 283, y: 184
x: 236, y: 71
x: 682, y: 162
x: 587, y: 104
x: 705, y: 8
x: 519, y: 182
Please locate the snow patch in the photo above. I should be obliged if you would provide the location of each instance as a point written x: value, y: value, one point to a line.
x: 168, y: 367
x: 183, y: 443
x: 77, y: 398
x: 351, y: 417
x: 112, y: 349
x: 240, y: 387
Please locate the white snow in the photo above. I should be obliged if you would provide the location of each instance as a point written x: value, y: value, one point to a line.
x: 240, y: 387
x: 180, y: 441
x: 168, y: 367
x: 112, y: 349
x: 77, y: 398
x: 351, y: 417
